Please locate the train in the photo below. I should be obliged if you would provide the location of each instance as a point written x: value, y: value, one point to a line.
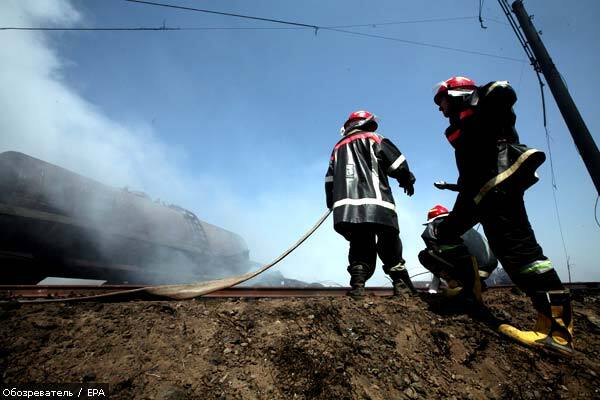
x: 57, y: 223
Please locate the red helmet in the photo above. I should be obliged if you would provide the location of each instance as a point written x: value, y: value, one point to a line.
x: 436, y: 212
x: 357, y: 119
x: 455, y: 86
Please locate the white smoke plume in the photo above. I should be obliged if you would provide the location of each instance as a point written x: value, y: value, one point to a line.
x: 43, y: 116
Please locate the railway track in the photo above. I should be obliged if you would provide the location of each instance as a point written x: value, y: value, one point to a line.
x: 30, y: 292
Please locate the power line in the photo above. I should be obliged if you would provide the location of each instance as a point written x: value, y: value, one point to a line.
x: 494, y: 20
x: 416, y: 21
x: 480, y: 17
x: 423, y: 44
x: 316, y: 28
x: 446, y: 19
x: 277, y: 21
x: 295, y: 24
x: 165, y: 28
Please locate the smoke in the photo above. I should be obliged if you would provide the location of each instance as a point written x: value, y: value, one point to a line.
x: 45, y: 117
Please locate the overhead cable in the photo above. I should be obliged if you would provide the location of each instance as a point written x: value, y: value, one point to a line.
x: 423, y: 44
x: 165, y: 28
x: 416, y: 21
x: 496, y: 21
x: 480, y: 18
x: 202, y: 28
x: 297, y: 25
x: 277, y: 21
x: 316, y: 28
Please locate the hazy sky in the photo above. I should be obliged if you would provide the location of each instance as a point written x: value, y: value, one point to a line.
x: 238, y: 124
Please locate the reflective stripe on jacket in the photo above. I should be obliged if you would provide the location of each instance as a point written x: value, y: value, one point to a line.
x: 356, y: 183
x: 486, y: 144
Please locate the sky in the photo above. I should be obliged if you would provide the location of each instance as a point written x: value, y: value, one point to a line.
x: 237, y: 124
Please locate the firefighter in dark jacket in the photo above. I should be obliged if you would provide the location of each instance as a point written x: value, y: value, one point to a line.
x: 463, y: 262
x: 494, y: 172
x: 358, y: 191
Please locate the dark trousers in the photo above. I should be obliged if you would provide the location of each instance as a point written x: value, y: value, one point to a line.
x: 511, y: 238
x: 507, y: 228
x: 367, y: 241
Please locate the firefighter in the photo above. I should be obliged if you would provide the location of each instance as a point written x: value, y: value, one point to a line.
x: 494, y: 170
x: 463, y: 262
x: 358, y: 192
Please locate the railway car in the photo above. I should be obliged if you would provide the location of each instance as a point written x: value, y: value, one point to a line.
x: 54, y: 222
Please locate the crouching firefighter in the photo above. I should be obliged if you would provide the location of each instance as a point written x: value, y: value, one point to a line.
x: 463, y: 262
x: 494, y: 171
x: 358, y: 191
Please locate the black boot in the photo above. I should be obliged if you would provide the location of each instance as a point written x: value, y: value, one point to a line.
x: 358, y: 277
x: 400, y: 280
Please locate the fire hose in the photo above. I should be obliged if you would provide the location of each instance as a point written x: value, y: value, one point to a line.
x: 190, y: 290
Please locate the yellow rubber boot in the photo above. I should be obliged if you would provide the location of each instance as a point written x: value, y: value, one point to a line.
x: 553, y: 330
x: 476, y: 289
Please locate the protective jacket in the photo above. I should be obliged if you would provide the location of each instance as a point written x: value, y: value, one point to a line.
x: 356, y: 183
x: 474, y: 244
x: 486, y: 144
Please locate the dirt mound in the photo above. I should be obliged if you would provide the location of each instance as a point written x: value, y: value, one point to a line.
x: 326, y: 348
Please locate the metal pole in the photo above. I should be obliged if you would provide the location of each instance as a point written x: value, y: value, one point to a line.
x: 581, y: 135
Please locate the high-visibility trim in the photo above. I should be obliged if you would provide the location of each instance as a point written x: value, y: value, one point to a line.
x: 375, y: 174
x: 398, y: 267
x: 503, y: 176
x: 328, y: 179
x: 495, y: 85
x: 537, y: 267
x: 483, y: 274
x: 453, y: 136
x: 365, y: 201
x: 399, y: 161
x: 466, y: 113
x: 366, y: 135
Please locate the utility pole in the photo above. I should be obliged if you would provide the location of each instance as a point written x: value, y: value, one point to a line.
x: 581, y: 135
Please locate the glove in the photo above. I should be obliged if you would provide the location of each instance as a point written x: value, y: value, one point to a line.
x: 440, y: 185
x: 407, y: 182
x: 443, y: 185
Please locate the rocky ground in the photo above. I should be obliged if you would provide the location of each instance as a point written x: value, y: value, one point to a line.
x: 303, y: 348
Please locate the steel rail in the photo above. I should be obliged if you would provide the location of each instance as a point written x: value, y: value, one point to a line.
x: 15, y: 292
x: 33, y: 291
